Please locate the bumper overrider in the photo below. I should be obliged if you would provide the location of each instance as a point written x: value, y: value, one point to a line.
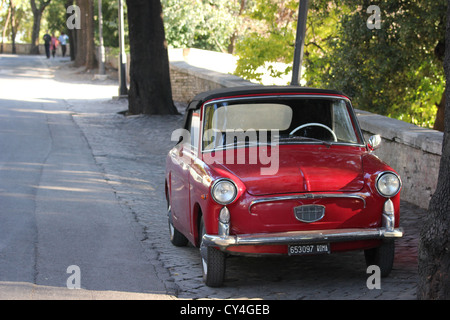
x: 387, y: 231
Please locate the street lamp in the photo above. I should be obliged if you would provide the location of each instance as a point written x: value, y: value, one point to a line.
x: 299, y: 42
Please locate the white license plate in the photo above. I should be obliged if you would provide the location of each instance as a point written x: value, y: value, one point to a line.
x: 303, y: 249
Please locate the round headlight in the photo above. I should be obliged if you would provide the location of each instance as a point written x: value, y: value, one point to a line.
x: 224, y: 191
x: 388, y: 184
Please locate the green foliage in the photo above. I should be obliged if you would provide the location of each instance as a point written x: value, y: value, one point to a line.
x: 271, y: 38
x: 110, y: 9
x: 55, y: 20
x: 392, y: 71
x: 23, y: 20
x: 199, y: 23
x: 55, y: 17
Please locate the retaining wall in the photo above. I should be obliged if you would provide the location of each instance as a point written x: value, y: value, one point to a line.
x: 24, y: 48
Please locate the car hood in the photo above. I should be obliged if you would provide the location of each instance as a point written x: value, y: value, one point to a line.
x: 324, y: 170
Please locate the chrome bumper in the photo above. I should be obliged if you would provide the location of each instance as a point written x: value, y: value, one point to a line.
x: 386, y: 231
x: 301, y: 237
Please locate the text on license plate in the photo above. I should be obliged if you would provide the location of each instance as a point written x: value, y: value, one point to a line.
x: 309, y: 249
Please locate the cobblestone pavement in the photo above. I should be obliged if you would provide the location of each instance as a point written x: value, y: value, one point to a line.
x: 131, y: 151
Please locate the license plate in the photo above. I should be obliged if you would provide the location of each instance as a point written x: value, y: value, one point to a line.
x: 304, y: 249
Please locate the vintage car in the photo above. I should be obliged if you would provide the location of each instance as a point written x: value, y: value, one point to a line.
x: 278, y: 170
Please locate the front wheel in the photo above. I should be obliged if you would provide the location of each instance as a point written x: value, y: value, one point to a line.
x: 382, y: 256
x: 213, y: 263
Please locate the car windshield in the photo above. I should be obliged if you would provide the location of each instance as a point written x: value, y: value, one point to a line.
x: 291, y: 120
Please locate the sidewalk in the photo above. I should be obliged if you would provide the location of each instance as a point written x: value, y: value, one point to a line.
x: 131, y: 152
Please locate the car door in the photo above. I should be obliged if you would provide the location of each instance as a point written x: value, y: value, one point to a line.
x: 185, y: 154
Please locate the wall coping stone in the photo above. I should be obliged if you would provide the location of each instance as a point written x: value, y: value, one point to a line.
x: 226, y: 80
x: 395, y: 130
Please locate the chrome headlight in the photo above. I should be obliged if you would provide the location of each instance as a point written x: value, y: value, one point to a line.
x: 224, y: 191
x: 388, y: 184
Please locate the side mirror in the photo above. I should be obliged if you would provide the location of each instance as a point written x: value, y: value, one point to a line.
x: 374, y: 142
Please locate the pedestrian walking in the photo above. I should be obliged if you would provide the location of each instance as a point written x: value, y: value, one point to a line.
x: 63, y: 41
x: 47, y: 39
x: 53, y: 44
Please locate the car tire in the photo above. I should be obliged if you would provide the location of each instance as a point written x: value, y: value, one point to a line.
x: 176, y: 237
x: 382, y: 256
x: 212, y: 261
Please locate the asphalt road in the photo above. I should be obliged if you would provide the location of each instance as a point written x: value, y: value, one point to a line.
x: 61, y: 225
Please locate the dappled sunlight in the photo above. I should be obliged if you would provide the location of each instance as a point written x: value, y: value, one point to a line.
x: 68, y: 189
x: 10, y: 290
x: 22, y: 166
x: 43, y: 111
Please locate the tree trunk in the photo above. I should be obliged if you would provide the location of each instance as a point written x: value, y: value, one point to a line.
x: 5, y: 27
x: 72, y: 33
x: 80, y: 57
x: 440, y: 115
x: 434, y: 245
x: 150, y: 89
x: 91, y: 62
x: 37, y: 15
x: 85, y: 47
x: 13, y: 26
x: 235, y: 34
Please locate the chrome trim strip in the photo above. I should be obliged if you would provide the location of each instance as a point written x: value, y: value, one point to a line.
x: 308, y: 196
x: 302, y: 237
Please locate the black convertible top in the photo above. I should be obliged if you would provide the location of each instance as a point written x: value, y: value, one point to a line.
x: 201, y: 98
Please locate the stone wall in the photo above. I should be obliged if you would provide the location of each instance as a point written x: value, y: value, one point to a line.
x: 412, y: 151
x: 24, y: 48
x: 187, y: 81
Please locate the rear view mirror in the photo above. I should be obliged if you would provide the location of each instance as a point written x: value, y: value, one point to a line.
x: 374, y: 142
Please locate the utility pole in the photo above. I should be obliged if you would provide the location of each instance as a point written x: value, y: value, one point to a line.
x: 123, y: 90
x: 299, y: 42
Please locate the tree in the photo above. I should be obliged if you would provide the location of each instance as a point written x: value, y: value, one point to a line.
x: 150, y: 89
x: 210, y: 25
x: 14, y: 20
x: 85, y: 45
x: 394, y: 70
x: 37, y: 7
x: 270, y: 38
x: 12, y: 5
x: 5, y: 27
x: 434, y: 245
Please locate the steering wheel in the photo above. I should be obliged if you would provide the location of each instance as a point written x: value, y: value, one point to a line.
x: 314, y: 124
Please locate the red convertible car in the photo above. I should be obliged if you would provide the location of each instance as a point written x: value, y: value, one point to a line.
x: 278, y: 170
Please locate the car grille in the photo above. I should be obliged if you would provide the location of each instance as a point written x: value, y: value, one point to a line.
x: 309, y: 213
